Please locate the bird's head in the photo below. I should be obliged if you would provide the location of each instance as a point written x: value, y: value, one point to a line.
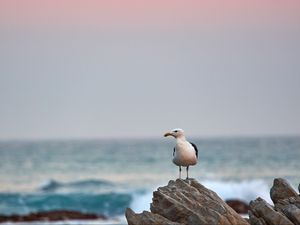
x: 176, y: 133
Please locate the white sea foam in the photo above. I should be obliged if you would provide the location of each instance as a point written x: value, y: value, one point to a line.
x: 244, y: 190
x: 141, y: 201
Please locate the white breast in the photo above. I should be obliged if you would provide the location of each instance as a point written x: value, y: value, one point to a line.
x: 185, y: 154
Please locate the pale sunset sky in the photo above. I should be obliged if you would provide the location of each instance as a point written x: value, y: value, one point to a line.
x: 129, y: 68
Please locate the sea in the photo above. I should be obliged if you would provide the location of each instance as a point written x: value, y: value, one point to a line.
x: 105, y: 176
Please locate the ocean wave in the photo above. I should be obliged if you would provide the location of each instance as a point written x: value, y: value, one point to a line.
x: 114, y: 204
x: 109, y: 204
x: 75, y: 186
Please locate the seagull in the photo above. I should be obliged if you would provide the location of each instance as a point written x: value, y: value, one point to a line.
x: 185, y: 153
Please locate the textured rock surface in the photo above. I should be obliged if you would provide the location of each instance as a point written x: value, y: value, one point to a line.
x: 255, y: 220
x: 146, y: 218
x: 186, y: 202
x: 281, y: 190
x: 263, y: 212
x: 289, y: 209
x: 286, y: 210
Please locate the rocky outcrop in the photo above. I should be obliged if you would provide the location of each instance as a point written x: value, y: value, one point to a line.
x: 286, y: 209
x: 281, y: 190
x: 290, y: 208
x: 265, y: 213
x: 186, y: 202
x: 55, y: 215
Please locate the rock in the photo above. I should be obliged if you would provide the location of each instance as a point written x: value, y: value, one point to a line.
x: 286, y: 206
x: 188, y: 203
x: 238, y: 206
x: 146, y: 218
x: 255, y: 220
x: 290, y: 210
x: 281, y: 190
x: 290, y: 207
x: 263, y: 213
x: 55, y: 215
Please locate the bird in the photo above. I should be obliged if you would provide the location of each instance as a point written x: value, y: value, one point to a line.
x: 185, y: 154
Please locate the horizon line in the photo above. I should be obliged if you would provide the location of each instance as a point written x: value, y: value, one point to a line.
x: 141, y: 138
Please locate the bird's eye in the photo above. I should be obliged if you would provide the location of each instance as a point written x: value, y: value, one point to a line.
x: 175, y: 131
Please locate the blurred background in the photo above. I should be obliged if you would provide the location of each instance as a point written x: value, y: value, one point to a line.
x: 87, y: 89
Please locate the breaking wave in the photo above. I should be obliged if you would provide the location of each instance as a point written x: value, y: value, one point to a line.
x: 110, y: 203
x: 75, y: 186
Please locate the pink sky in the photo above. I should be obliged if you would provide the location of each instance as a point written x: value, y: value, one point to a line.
x: 157, y: 13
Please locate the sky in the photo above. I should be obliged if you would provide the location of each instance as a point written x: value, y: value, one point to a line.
x: 135, y: 69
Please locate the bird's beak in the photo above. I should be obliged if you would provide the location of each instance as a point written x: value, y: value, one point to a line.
x: 168, y: 134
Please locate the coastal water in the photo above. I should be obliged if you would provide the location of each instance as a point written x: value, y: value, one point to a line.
x: 106, y: 176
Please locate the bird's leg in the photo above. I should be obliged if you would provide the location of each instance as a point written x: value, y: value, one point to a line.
x: 179, y: 172
x: 187, y: 172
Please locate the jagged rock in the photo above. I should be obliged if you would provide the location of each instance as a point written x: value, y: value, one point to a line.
x: 290, y: 210
x: 281, y: 190
x: 146, y: 218
x: 286, y: 206
x: 292, y: 200
x: 290, y: 207
x: 239, y: 206
x: 263, y: 213
x: 188, y: 203
x: 255, y: 220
